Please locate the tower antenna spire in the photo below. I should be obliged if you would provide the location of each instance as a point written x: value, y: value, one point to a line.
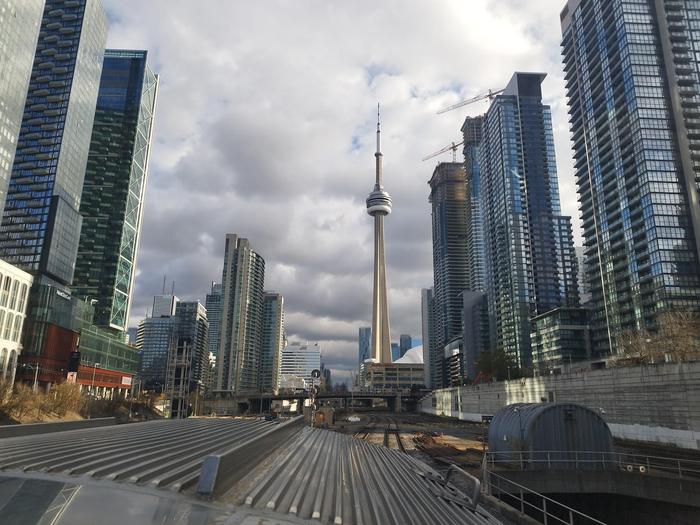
x: 378, y: 153
x: 379, y: 149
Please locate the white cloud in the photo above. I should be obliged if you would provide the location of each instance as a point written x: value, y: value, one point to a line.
x: 265, y: 128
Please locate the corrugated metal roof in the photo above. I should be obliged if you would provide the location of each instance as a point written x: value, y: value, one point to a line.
x: 164, y: 454
x: 337, y: 479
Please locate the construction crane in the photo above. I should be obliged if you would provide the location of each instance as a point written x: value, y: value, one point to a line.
x: 452, y: 147
x: 477, y: 98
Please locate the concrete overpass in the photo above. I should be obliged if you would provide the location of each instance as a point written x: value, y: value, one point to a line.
x: 671, y: 486
x: 255, y: 403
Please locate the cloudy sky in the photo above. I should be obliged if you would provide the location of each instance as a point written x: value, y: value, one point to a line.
x: 265, y: 128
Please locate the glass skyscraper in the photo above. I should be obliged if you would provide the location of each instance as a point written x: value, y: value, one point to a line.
x: 115, y: 185
x: 155, y: 337
x: 193, y: 327
x: 432, y: 354
x: 528, y: 247
x: 272, y: 341
x: 634, y: 103
x: 449, y: 215
x: 19, y: 29
x: 41, y: 223
x: 212, y: 303
x: 471, y: 131
x: 364, y: 340
x: 242, y: 283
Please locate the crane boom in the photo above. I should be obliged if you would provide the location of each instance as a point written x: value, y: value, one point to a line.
x: 452, y: 147
x: 477, y: 98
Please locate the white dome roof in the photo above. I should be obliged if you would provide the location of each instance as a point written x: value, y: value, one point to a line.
x: 412, y: 357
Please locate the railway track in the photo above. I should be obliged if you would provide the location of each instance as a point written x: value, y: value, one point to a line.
x: 386, y: 426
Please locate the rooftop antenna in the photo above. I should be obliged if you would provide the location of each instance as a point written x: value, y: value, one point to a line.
x: 172, y: 289
x: 163, y: 293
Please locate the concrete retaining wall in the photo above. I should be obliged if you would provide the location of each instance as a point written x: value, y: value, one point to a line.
x: 650, y: 403
x: 28, y: 429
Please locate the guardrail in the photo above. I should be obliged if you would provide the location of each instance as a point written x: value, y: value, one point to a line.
x: 585, y: 460
x: 534, y: 504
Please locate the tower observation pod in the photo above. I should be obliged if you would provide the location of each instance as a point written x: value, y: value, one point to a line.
x: 379, y: 206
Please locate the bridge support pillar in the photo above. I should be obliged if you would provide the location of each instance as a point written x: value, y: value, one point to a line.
x: 397, y: 403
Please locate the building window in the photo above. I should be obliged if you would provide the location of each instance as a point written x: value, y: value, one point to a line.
x: 22, y: 298
x: 16, y: 329
x: 13, y: 294
x: 4, y: 364
x: 5, y: 294
x: 8, y: 327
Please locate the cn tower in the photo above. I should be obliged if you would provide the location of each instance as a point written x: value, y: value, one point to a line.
x: 379, y: 206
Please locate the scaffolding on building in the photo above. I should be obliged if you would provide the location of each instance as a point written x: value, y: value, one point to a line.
x: 178, y: 378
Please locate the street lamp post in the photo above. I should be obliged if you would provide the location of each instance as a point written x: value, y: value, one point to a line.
x: 95, y: 366
x: 36, y: 376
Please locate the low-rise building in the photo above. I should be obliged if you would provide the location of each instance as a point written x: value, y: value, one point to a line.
x: 395, y: 377
x: 64, y: 344
x: 299, y: 360
x: 14, y: 287
x: 560, y: 338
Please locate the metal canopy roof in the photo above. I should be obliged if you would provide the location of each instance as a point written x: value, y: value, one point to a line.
x: 111, y: 473
x: 338, y: 479
x: 164, y: 454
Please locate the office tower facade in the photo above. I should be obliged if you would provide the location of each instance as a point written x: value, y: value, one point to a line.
x: 405, y: 344
x: 242, y: 282
x: 521, y: 217
x: 378, y: 207
x: 632, y: 88
x: 431, y: 352
x: 41, y: 222
x: 449, y: 215
x: 471, y: 131
x: 19, y: 30
x: 164, y: 305
x: 476, y: 336
x: 193, y: 328
x: 584, y: 288
x: 212, y: 303
x: 395, y: 352
x: 297, y: 363
x: 155, y: 337
x: 115, y: 184
x: 364, y: 339
x: 272, y: 341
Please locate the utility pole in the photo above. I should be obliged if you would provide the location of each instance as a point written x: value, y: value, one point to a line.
x: 36, y: 376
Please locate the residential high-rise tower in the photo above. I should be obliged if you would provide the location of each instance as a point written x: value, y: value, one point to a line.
x: 242, y: 281
x: 272, y: 341
x: 19, y: 30
x: 449, y: 216
x: 632, y: 84
x: 471, y: 131
x: 212, y: 303
x: 115, y: 185
x: 41, y: 222
x: 529, y: 259
x: 432, y: 354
